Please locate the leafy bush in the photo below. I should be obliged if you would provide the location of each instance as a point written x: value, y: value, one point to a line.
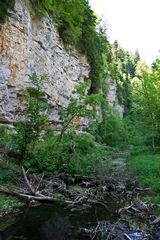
x: 68, y: 151
x: 8, y: 175
x: 82, y: 155
x: 73, y: 154
x: 43, y: 154
x: 110, y: 130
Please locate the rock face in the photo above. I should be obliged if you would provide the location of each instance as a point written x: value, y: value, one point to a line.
x: 112, y: 97
x: 28, y: 45
x: 32, y: 45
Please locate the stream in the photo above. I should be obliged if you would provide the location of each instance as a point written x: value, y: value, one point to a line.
x: 54, y: 222
x: 46, y: 222
x: 121, y: 215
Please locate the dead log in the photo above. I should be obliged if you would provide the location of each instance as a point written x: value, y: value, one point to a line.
x: 26, y: 197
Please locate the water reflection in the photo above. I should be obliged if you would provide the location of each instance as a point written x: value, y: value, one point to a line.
x: 48, y: 222
x: 55, y: 228
x: 42, y: 223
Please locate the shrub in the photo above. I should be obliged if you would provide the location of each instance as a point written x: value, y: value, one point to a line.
x: 110, y: 130
x: 73, y: 154
x: 8, y: 174
x: 68, y: 151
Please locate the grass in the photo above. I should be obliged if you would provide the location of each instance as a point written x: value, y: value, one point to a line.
x: 147, y: 168
x: 7, y: 204
x: 8, y: 176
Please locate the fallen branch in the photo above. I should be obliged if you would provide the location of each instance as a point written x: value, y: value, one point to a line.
x: 27, y: 181
x: 39, y: 182
x: 143, y: 189
x: 127, y: 237
x: 40, y: 198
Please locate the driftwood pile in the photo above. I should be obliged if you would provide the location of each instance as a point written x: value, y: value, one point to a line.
x: 124, y: 229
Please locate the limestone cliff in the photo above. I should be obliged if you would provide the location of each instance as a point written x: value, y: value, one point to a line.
x: 112, y: 97
x: 29, y: 44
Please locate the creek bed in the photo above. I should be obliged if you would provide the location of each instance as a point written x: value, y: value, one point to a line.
x: 45, y: 222
x: 54, y: 222
x: 114, y: 211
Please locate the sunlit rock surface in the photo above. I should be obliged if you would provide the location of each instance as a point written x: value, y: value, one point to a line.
x: 28, y: 45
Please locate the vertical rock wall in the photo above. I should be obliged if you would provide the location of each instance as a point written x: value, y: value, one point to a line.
x: 28, y: 45
x: 112, y: 97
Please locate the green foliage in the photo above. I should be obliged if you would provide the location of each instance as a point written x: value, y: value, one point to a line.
x: 110, y: 130
x: 98, y: 50
x: 68, y: 151
x: 35, y: 118
x: 146, y: 104
x: 147, y: 167
x: 81, y: 154
x: 75, y: 154
x: 136, y: 132
x: 80, y: 107
x: 43, y: 154
x: 5, y: 6
x: 7, y: 205
x: 7, y: 174
x: 123, y: 69
x: 5, y: 136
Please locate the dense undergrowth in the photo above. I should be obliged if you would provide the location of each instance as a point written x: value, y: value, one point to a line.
x: 38, y: 147
x: 147, y: 168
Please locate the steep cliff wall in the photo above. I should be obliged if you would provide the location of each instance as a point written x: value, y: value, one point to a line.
x: 112, y: 97
x: 29, y: 44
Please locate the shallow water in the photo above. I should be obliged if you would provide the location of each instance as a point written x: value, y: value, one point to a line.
x: 54, y: 222
x: 48, y: 222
